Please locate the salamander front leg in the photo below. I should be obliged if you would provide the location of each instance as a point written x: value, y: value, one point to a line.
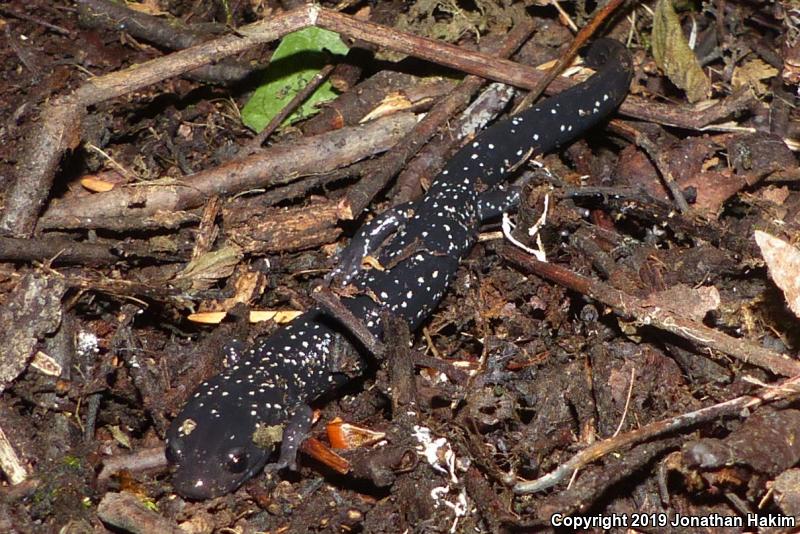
x: 297, y: 429
x: 367, y: 241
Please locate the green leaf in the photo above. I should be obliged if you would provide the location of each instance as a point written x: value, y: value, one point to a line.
x: 673, y: 55
x: 298, y: 58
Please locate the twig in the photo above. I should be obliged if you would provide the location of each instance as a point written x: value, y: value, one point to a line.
x: 310, y: 224
x: 564, y: 16
x: 787, y: 389
x: 630, y: 306
x: 141, y: 460
x: 596, y: 483
x: 353, y: 106
x: 274, y: 166
x: 659, y: 159
x: 125, y: 511
x: 566, y: 58
x: 459, y: 376
x: 62, y: 117
x: 36, y: 20
x: 256, y: 142
x: 10, y: 463
x: 334, y: 307
x: 64, y: 250
x: 167, y: 33
x: 128, y: 174
x: 300, y: 188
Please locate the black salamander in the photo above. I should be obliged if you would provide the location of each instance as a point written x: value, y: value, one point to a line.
x: 210, y: 443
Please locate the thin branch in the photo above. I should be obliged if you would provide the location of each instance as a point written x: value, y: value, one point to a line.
x: 660, y: 159
x: 8, y: 10
x: 168, y: 33
x: 566, y: 58
x: 332, y: 304
x: 274, y: 166
x: 789, y: 388
x: 256, y: 142
x: 629, y: 306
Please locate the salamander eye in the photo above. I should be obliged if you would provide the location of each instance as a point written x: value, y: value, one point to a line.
x: 236, y: 460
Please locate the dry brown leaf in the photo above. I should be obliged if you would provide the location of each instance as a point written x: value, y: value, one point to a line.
x: 776, y: 195
x: 205, y: 270
x: 673, y: 55
x: 783, y: 263
x: 751, y: 73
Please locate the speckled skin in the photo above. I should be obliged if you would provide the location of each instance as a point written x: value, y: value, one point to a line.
x: 211, y: 441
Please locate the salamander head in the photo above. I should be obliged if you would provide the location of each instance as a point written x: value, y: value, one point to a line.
x: 210, y: 443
